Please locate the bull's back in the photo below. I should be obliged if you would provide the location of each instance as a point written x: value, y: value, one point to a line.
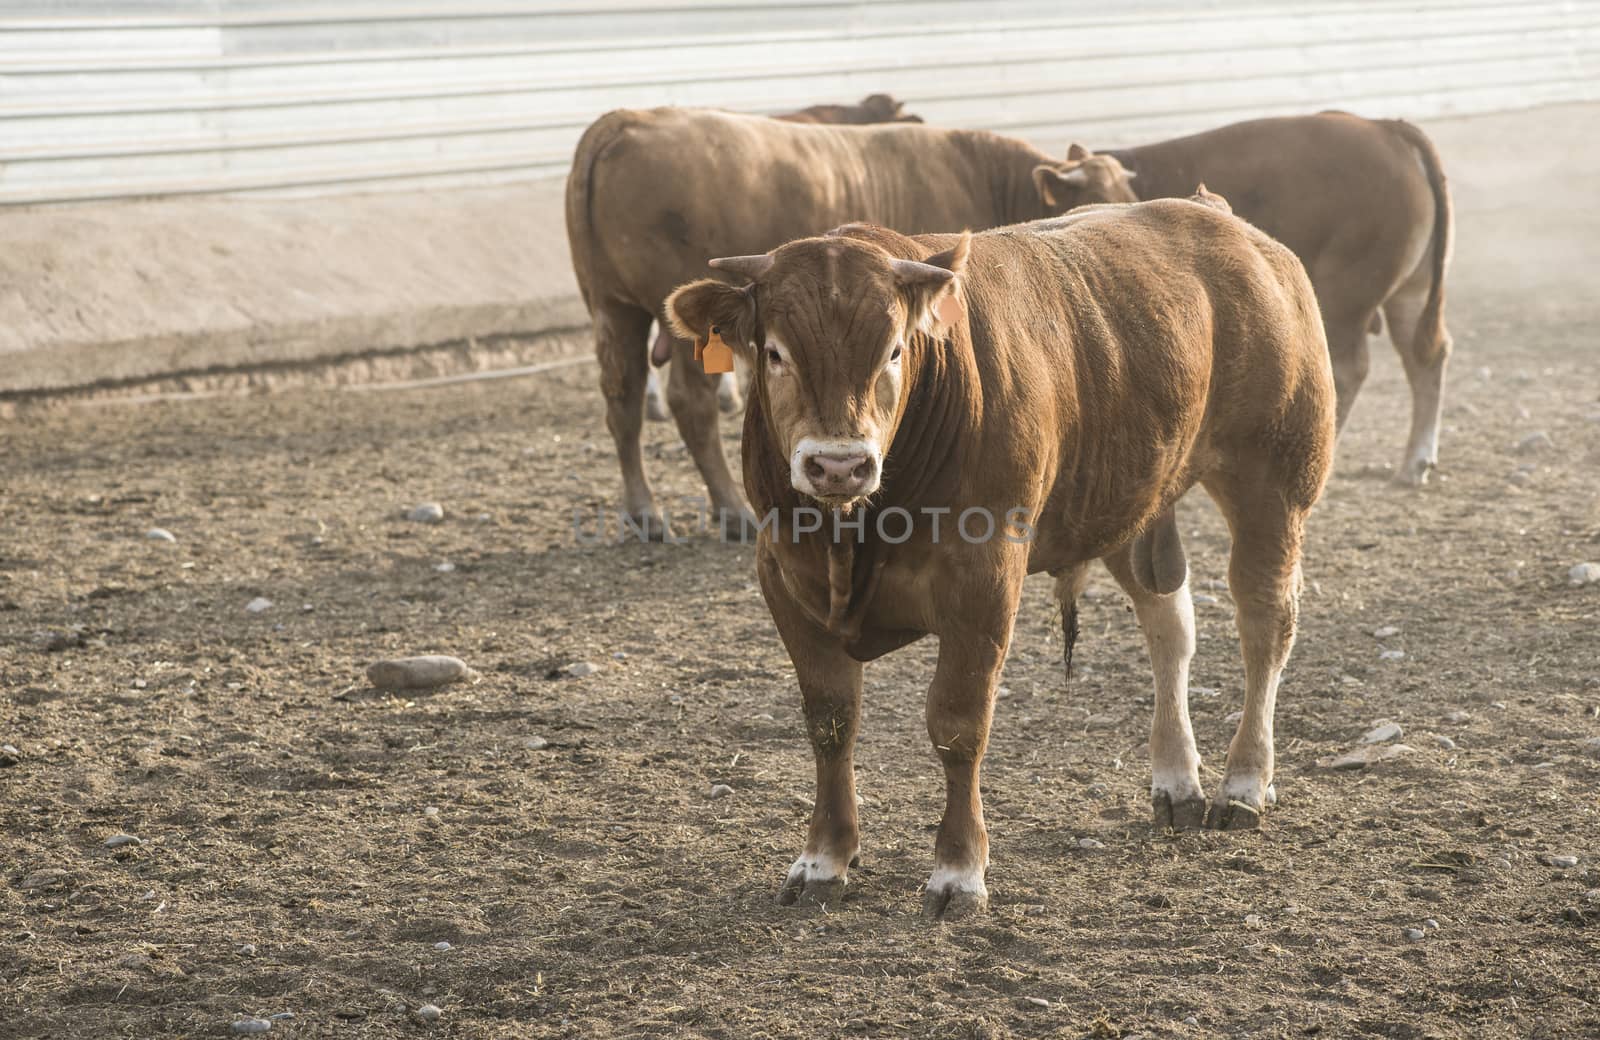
x: 675, y: 187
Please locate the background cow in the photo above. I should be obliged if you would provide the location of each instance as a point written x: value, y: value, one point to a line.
x: 1073, y: 377
x: 646, y: 211
x: 874, y: 108
x: 1364, y: 205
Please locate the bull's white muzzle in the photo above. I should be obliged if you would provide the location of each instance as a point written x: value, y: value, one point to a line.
x: 835, y: 471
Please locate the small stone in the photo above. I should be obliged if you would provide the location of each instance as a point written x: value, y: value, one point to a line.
x: 536, y: 743
x: 1386, y: 632
x: 1205, y: 599
x: 116, y: 841
x: 1560, y: 862
x: 1233, y: 716
x: 1431, y: 925
x: 579, y: 669
x: 1037, y: 1001
x: 1500, y: 863
x: 1366, y: 756
x: 1458, y: 718
x: 429, y: 1012
x: 1254, y: 921
x: 1534, y: 443
x: 282, y: 1016
x: 251, y: 1025
x: 247, y: 949
x: 418, y: 673
x: 1444, y: 742
x: 1584, y: 574
x: 1191, y: 1021
x: 160, y: 534
x: 256, y: 606
x: 1383, y: 734
x: 441, y: 946
x: 426, y: 513
x: 620, y: 655
x: 1392, y: 655
x: 1090, y: 844
x: 1521, y: 478
x: 1205, y: 691
x: 1095, y: 722
x: 720, y: 790
x: 445, y: 568
x: 431, y: 810
x: 1415, y: 934
x: 9, y: 756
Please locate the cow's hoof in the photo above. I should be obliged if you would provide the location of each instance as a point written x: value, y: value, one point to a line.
x: 1233, y: 816
x: 1415, y: 473
x: 808, y: 885
x: 954, y: 894
x: 737, y: 525
x: 1184, y: 814
x: 646, y: 526
x: 655, y: 409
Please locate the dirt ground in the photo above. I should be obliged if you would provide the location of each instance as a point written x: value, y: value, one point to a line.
x: 306, y: 842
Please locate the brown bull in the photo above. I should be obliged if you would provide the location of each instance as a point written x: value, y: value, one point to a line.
x: 973, y: 409
x: 653, y: 195
x: 1363, y: 204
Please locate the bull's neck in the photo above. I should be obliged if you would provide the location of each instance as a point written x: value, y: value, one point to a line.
x: 1003, y: 176
x: 1155, y: 175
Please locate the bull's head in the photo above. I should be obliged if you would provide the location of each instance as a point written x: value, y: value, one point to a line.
x: 830, y: 326
x: 1084, y: 178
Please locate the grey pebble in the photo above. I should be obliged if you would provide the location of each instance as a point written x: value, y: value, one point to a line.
x: 579, y: 669
x: 1366, y: 756
x: 116, y: 841
x: 536, y: 743
x: 1500, y: 863
x: 9, y: 755
x: 442, y: 946
x: 282, y: 1016
x: 1392, y: 655
x: 444, y: 568
x: 247, y: 949
x: 1383, y: 733
x: 1090, y: 844
x: 720, y: 790
x: 426, y: 513
x: 1386, y: 632
x: 258, y: 604
x: 1535, y: 442
x: 1205, y: 599
x: 160, y: 534
x: 1431, y: 924
x: 1583, y: 574
x: 1233, y: 716
x: 1191, y: 1021
x: 251, y: 1025
x: 1458, y: 718
x: 1521, y: 478
x: 1415, y: 934
x: 429, y: 1012
x: 1444, y: 742
x: 1563, y: 862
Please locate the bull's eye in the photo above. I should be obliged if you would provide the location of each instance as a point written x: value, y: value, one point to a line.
x: 773, y: 357
x: 895, y: 354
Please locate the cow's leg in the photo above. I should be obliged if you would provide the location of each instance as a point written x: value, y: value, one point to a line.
x: 728, y: 397
x: 960, y: 708
x: 830, y: 689
x: 1424, y: 365
x: 1176, y: 798
x: 620, y: 343
x: 655, y: 401
x: 1264, y: 578
x: 1069, y: 586
x: 1347, y: 350
x: 692, y: 395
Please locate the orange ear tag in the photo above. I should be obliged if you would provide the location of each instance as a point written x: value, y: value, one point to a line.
x: 715, y: 356
x: 951, y: 310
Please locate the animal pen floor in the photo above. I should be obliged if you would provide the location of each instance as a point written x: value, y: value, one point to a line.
x: 590, y: 887
x: 305, y: 842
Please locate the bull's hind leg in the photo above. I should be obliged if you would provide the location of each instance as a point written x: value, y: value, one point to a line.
x: 619, y: 344
x: 1424, y: 365
x: 692, y: 395
x: 830, y: 687
x: 1264, y: 578
x: 1167, y: 618
x: 1348, y: 351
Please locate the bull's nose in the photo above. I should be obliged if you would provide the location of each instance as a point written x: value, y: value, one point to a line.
x: 833, y: 474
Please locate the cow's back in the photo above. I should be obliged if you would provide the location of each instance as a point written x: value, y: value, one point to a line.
x: 665, y: 190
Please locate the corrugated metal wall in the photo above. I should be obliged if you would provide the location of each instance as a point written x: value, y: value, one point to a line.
x: 164, y: 97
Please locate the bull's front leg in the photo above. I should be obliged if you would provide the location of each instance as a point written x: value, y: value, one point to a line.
x: 830, y: 691
x: 960, y: 708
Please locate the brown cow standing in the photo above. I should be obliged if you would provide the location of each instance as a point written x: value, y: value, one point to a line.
x: 874, y: 108
x: 1067, y: 380
x: 1364, y: 205
x: 655, y: 194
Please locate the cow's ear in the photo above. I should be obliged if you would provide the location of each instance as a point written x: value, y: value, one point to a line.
x: 1057, y: 184
x: 1076, y: 151
x: 932, y: 287
x: 695, y: 309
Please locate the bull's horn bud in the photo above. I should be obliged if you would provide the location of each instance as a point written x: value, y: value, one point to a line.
x: 751, y: 267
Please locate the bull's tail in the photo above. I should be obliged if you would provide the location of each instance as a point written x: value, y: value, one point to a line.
x: 1430, y: 339
x: 581, y: 236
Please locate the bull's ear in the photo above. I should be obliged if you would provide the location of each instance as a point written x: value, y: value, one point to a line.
x: 1057, y: 184
x: 1076, y: 151
x: 695, y: 309
x: 927, y: 284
